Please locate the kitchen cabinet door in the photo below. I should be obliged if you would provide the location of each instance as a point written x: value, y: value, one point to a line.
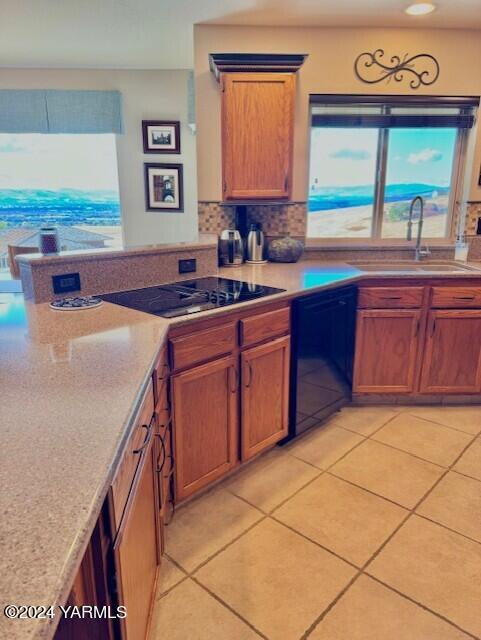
x: 136, y: 550
x: 257, y: 135
x: 205, y: 424
x: 90, y: 588
x: 265, y: 396
x: 452, y: 356
x: 386, y: 350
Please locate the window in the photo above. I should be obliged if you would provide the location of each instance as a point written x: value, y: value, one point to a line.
x: 370, y: 157
x: 68, y: 180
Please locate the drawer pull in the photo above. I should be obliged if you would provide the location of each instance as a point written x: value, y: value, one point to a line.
x: 391, y: 297
x: 433, y: 328
x: 162, y: 452
x: 148, y: 437
x: 463, y: 297
x: 249, y: 369
x: 163, y: 371
x: 236, y: 376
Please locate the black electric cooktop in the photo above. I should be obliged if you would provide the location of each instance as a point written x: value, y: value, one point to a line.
x: 189, y: 296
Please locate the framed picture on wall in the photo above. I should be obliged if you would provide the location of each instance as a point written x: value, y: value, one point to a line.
x: 163, y: 187
x: 161, y: 136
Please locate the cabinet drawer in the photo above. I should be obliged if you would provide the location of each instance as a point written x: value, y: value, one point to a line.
x: 390, y: 297
x: 263, y: 326
x: 203, y: 345
x: 137, y: 444
x: 456, y: 297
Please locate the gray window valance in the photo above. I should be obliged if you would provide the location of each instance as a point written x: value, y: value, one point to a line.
x: 52, y: 111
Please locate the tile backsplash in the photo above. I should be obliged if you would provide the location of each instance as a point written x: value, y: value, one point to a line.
x: 290, y: 219
x: 215, y: 217
x: 277, y: 220
x: 473, y: 213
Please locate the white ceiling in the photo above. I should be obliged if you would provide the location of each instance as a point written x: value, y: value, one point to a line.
x: 158, y: 33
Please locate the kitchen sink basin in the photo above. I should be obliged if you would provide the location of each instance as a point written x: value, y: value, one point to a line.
x: 410, y: 266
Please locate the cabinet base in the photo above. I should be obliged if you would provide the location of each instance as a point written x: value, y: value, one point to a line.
x: 438, y: 399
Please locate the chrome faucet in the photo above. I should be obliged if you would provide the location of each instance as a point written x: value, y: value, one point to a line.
x: 419, y: 253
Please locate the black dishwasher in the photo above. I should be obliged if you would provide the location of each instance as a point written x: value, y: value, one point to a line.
x: 323, y: 328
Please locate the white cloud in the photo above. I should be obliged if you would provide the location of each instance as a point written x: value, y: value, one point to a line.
x: 425, y: 155
x: 351, y: 154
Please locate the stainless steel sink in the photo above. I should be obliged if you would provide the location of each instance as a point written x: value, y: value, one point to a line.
x: 410, y: 266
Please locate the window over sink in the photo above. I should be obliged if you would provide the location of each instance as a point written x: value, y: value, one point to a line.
x: 370, y: 156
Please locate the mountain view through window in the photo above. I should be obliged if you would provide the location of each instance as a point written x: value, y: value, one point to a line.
x: 343, y: 169
x: 69, y: 181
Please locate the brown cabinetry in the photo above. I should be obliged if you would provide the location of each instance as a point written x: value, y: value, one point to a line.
x: 90, y: 588
x: 257, y: 134
x: 432, y: 346
x: 227, y: 409
x: 386, y: 349
x: 264, y: 396
x: 452, y: 358
x: 141, y: 434
x: 205, y: 415
x: 137, y: 550
x: 390, y: 298
x: 122, y: 560
x: 456, y: 297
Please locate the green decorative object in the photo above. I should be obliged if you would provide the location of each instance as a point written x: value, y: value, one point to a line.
x: 285, y: 250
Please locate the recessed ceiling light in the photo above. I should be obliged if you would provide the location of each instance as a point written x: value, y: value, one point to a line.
x: 420, y: 8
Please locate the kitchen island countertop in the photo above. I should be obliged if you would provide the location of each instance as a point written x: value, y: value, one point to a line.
x: 70, y: 383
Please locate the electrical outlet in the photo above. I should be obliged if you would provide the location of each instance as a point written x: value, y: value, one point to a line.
x: 188, y: 266
x: 66, y: 282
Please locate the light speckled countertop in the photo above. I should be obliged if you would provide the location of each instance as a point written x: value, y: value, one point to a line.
x: 70, y: 384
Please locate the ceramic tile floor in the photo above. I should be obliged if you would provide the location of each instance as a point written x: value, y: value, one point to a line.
x: 366, y: 528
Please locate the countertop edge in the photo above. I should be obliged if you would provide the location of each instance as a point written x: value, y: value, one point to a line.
x: 82, y: 538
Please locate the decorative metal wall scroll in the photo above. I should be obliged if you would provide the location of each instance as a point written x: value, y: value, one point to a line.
x: 422, y: 69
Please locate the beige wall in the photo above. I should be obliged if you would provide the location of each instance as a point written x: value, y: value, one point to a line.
x: 146, y: 95
x: 328, y: 69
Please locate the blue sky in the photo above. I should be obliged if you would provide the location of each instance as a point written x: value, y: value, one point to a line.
x: 421, y: 155
x: 39, y: 161
x: 347, y: 157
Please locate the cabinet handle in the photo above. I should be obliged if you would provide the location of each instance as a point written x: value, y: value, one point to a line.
x: 286, y: 182
x: 249, y: 369
x: 433, y: 328
x: 164, y: 367
x: 416, y: 333
x: 162, y: 451
x: 391, y: 297
x: 464, y: 297
x: 148, y: 437
x: 234, y: 369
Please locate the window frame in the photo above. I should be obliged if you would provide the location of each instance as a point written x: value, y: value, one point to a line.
x: 466, y: 103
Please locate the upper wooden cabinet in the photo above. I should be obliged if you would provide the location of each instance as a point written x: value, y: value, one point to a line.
x: 257, y: 135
